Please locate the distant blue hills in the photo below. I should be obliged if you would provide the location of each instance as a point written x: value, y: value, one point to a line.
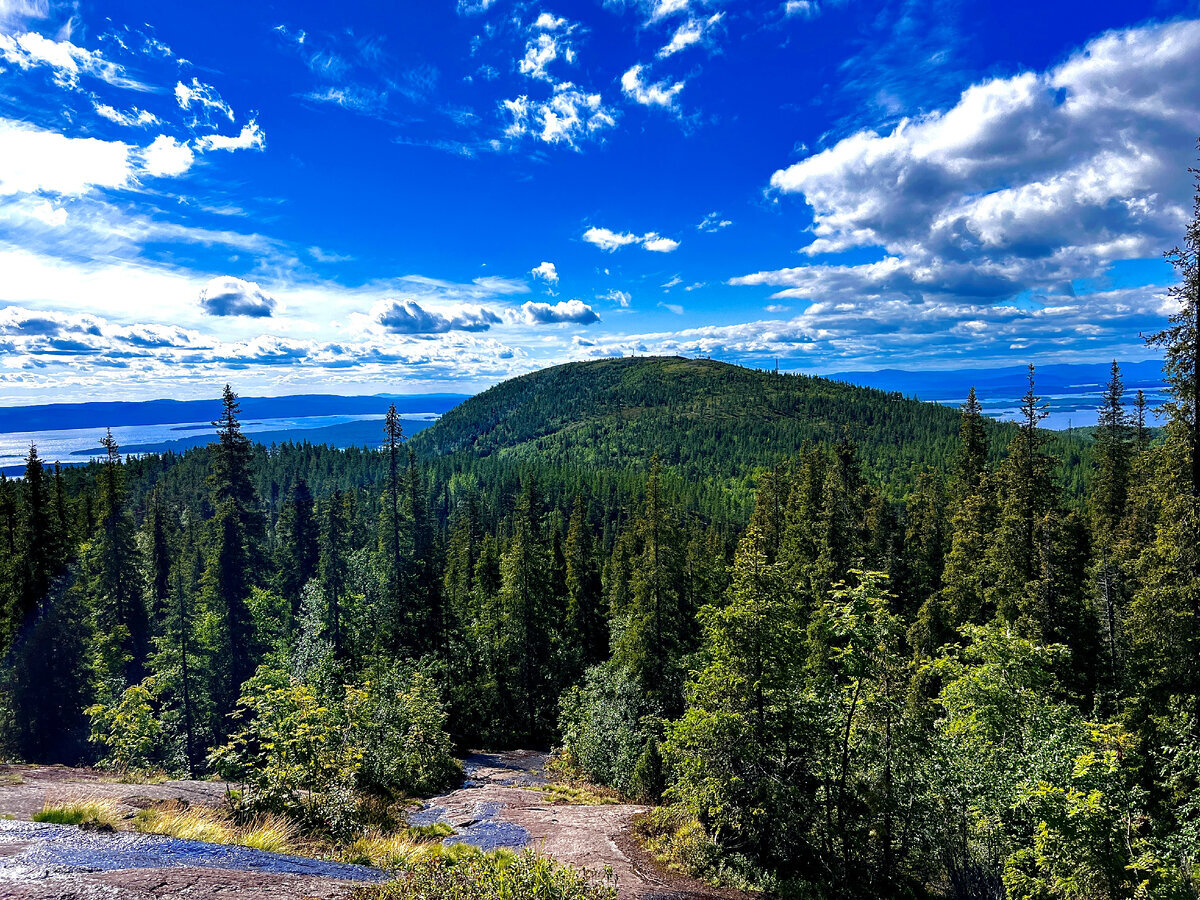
x: 1009, y: 382
x: 53, y: 416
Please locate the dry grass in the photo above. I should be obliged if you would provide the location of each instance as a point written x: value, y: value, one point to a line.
x: 95, y: 813
x: 580, y: 794
x: 406, y: 849
x: 273, y: 834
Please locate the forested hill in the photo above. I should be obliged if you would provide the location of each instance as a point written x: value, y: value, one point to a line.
x: 706, y: 419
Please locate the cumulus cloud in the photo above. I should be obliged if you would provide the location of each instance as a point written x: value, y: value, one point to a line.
x: 1029, y: 181
x: 545, y: 271
x: 409, y: 317
x: 575, y: 311
x: 34, y: 160
x: 539, y: 53
x: 251, y: 137
x: 570, y: 116
x: 549, y: 22
x: 661, y: 9
x: 656, y: 243
x: 167, y: 157
x: 609, y: 240
x: 229, y: 296
x: 657, y: 94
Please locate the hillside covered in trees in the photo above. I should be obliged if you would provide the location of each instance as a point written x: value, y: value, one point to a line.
x: 846, y: 643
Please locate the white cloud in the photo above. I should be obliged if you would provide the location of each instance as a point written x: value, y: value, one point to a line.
x: 690, y: 33
x: 657, y: 94
x: 546, y: 272
x: 549, y: 22
x: 539, y: 53
x: 134, y: 118
x: 575, y: 311
x: 713, y: 222
x: 167, y: 157
x: 569, y: 117
x: 776, y: 308
x: 33, y: 160
x: 474, y: 7
x: 1029, y: 181
x: 658, y: 244
x: 661, y: 9
x: 66, y: 60
x: 671, y: 307
x: 609, y: 240
x: 623, y: 299
x: 229, y: 296
x: 251, y: 137
x: 203, y: 98
x: 808, y: 9
x: 409, y: 317
x: 49, y: 214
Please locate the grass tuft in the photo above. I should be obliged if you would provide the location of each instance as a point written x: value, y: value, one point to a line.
x: 579, y: 794
x: 274, y: 834
x: 96, y: 813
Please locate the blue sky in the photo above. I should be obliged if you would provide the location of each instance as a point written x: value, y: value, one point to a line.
x: 365, y: 197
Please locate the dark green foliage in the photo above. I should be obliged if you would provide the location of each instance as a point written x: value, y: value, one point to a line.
x: 525, y: 877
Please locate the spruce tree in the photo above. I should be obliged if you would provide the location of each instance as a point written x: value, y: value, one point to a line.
x: 654, y: 639
x: 116, y: 585
x: 586, y: 623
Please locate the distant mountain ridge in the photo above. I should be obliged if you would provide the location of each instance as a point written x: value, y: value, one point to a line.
x: 1008, y: 381
x: 54, y: 416
x: 707, y: 419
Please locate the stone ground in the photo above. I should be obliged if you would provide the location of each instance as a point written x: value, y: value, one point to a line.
x: 497, y: 806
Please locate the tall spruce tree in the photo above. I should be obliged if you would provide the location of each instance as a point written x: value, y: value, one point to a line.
x: 654, y: 639
x: 115, y: 582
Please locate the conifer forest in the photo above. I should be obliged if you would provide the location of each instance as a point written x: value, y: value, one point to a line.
x: 841, y: 643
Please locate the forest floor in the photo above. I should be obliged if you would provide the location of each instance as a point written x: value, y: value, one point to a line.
x: 498, y: 805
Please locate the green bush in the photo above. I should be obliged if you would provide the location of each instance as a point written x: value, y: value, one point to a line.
x: 607, y: 725
x: 319, y: 760
x: 130, y: 731
x: 493, y: 877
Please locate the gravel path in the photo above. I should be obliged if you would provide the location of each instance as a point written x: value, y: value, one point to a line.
x: 496, y: 806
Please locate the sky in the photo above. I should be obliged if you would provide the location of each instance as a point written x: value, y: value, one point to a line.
x: 434, y: 196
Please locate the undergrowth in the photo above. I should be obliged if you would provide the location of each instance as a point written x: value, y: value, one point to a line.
x: 579, y: 794
x: 679, y: 841
x: 507, y: 876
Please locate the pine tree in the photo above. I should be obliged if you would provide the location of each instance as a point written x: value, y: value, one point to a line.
x: 116, y: 585
x: 525, y: 603
x: 1027, y: 494
x: 296, y: 555
x: 972, y: 448
x: 654, y: 639
x: 1112, y: 458
x: 232, y: 481
x: 586, y: 622
x: 226, y: 596
x: 1181, y: 341
x: 333, y: 570
x: 395, y: 538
